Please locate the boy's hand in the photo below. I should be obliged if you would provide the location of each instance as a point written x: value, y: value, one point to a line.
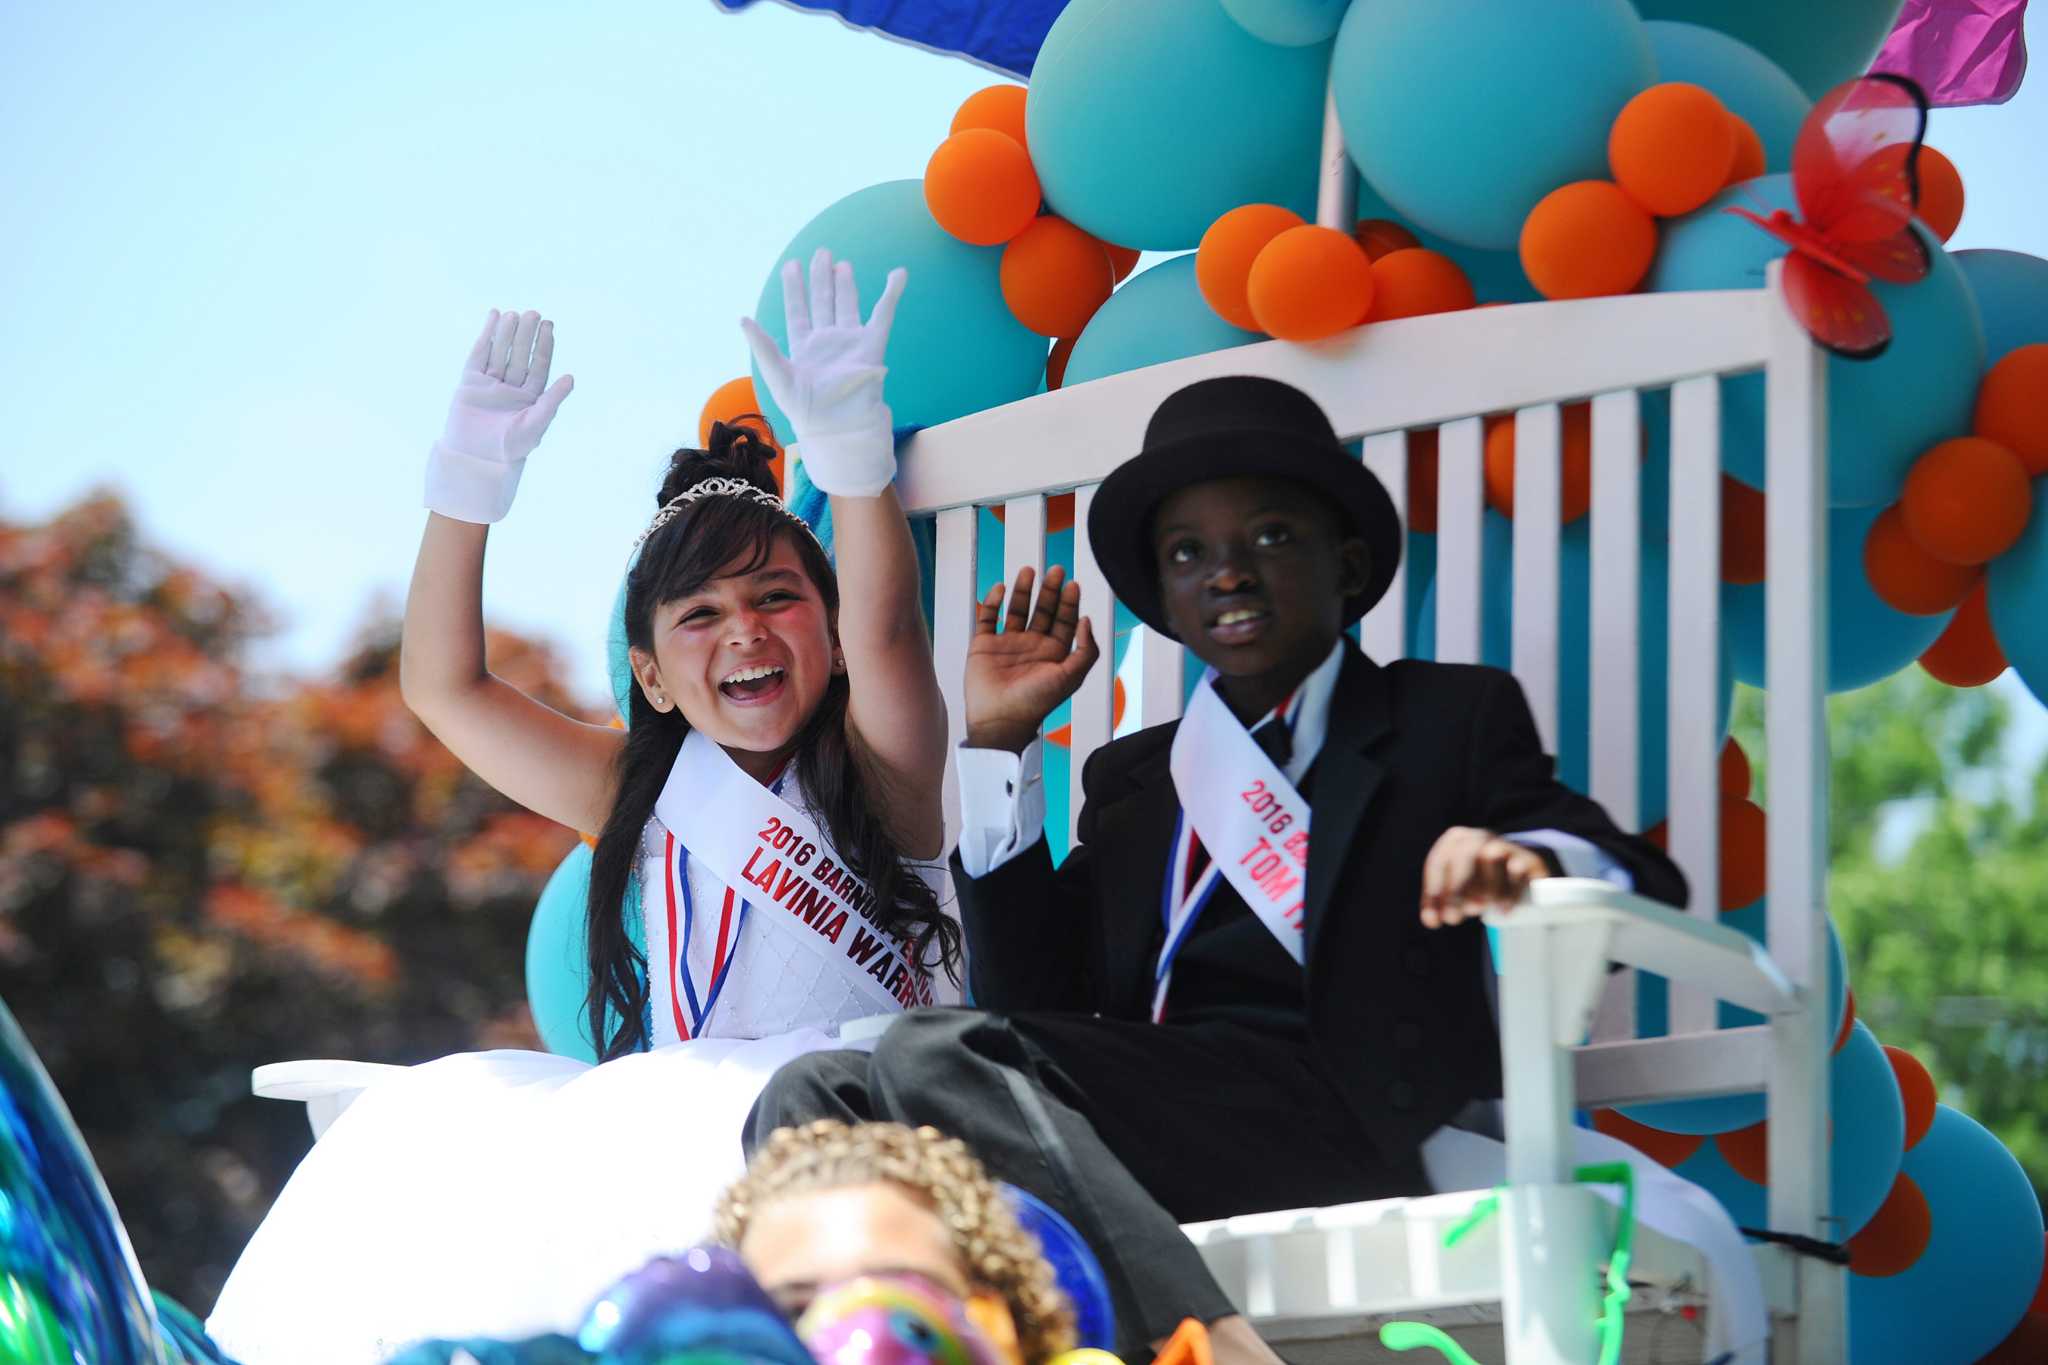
x: 1015, y: 678
x: 1471, y: 871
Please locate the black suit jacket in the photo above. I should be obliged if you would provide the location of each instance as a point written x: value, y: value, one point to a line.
x: 1397, y: 1011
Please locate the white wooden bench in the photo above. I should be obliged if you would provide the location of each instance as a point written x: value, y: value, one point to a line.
x: 1324, y: 1278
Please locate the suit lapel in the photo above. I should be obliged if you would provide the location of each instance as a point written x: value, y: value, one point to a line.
x: 1145, y: 835
x: 1346, y: 777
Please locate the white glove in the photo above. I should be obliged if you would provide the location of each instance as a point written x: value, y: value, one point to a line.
x: 497, y: 417
x: 830, y: 384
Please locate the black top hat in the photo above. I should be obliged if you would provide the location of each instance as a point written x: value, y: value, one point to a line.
x: 1233, y: 427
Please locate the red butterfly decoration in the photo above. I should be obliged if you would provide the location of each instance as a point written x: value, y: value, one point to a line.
x: 1855, y: 171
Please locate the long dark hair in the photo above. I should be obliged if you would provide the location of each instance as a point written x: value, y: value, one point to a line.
x: 697, y: 546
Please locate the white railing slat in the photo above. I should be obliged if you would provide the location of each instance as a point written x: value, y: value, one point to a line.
x: 1093, y: 702
x: 1024, y: 538
x: 1460, y: 556
x: 953, y: 607
x: 1692, y: 726
x: 1383, y: 634
x: 1538, y: 493
x: 1614, y: 679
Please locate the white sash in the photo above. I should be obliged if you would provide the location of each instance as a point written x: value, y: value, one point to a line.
x: 1250, y: 819
x: 783, y: 870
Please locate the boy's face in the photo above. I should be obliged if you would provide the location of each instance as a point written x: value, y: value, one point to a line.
x: 1253, y: 574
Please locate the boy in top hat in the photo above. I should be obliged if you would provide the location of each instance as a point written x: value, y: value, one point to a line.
x: 1258, y: 981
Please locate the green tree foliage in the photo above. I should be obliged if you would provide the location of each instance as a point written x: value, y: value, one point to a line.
x: 1939, y: 890
x: 201, y: 872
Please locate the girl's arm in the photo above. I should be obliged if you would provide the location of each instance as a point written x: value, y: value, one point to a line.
x: 550, y: 763
x: 829, y: 386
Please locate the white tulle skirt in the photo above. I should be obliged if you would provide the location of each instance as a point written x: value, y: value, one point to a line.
x: 492, y: 1194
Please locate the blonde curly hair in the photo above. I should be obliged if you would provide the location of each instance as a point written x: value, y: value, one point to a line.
x: 992, y: 1244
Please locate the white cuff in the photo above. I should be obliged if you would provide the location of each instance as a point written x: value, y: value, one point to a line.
x: 1578, y: 857
x: 470, y: 487
x: 1002, y: 805
x: 856, y: 464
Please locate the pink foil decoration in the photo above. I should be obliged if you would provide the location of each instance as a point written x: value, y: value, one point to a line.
x: 1960, y: 51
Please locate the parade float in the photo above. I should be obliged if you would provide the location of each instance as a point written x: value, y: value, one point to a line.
x: 1599, y: 293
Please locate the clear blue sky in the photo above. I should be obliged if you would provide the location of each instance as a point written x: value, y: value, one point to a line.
x: 245, y: 249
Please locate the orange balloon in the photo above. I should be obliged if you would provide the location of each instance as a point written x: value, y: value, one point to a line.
x: 1742, y: 532
x: 1748, y: 1151
x: 1575, y: 459
x: 1309, y: 283
x: 1735, y: 773
x: 1000, y: 107
x: 1904, y: 576
x: 1059, y: 513
x: 1916, y: 1088
x: 1223, y: 262
x: 1743, y: 851
x: 1744, y: 838
x: 1585, y: 240
x: 2026, y: 1345
x: 1415, y: 281
x: 1383, y: 236
x: 1966, y: 501
x: 1749, y: 162
x: 1967, y: 652
x: 1056, y: 362
x: 1063, y: 737
x: 1422, y: 476
x: 1896, y: 1234
x: 1672, y: 147
x: 1848, y: 1019
x: 1055, y: 276
x: 980, y: 187
x: 1668, y: 1149
x: 731, y: 401
x: 2012, y: 405
x: 1124, y: 258
x: 1941, y: 193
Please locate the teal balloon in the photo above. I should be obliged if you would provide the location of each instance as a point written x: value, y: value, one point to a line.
x: 1972, y: 1284
x: 1497, y: 276
x: 1290, y: 23
x: 1883, y: 413
x: 1869, y: 1138
x: 1157, y: 316
x: 1150, y: 119
x: 618, y: 656
x: 1575, y: 650
x: 955, y: 347
x: 1464, y: 113
x: 1751, y: 85
x: 2011, y: 290
x: 1819, y: 43
x: 557, y: 967
x: 1723, y: 1113
x: 1867, y: 640
x: 2016, y: 590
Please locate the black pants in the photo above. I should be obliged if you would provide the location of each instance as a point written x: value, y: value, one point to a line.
x: 1128, y: 1129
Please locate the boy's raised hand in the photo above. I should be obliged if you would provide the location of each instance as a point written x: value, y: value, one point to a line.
x: 1016, y: 677
x: 501, y: 409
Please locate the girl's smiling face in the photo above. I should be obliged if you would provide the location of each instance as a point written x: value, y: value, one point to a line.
x: 747, y: 657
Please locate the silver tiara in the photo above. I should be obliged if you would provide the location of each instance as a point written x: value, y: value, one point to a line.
x: 721, y: 487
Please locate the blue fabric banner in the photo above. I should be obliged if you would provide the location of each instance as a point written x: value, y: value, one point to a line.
x: 1003, y: 35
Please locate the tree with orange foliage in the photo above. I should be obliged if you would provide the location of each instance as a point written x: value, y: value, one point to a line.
x: 202, y: 871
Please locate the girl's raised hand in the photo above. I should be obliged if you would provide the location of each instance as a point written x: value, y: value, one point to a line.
x: 501, y: 409
x: 829, y: 385
x: 1016, y: 677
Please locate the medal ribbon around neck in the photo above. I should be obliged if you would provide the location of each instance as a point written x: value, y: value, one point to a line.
x: 682, y: 983
x: 1239, y: 809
